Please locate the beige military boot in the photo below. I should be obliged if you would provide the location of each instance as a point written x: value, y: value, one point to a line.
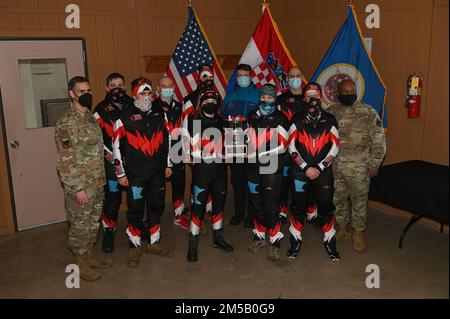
x: 86, y: 272
x: 358, y: 241
x: 133, y: 257
x: 157, y: 249
x: 97, y: 262
x: 343, y: 233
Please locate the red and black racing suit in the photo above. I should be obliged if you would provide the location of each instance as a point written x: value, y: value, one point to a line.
x: 107, y: 113
x: 209, y: 171
x: 174, y: 114
x: 190, y: 102
x: 314, y: 143
x: 141, y: 146
x: 267, y: 136
x: 289, y: 104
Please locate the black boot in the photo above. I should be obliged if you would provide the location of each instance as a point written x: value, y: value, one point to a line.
x: 219, y: 241
x: 330, y: 247
x: 108, y: 240
x: 294, y: 248
x: 193, y: 248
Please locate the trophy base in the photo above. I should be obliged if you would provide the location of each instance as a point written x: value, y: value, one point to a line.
x: 236, y: 150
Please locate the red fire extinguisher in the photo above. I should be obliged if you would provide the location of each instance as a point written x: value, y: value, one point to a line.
x: 414, y: 92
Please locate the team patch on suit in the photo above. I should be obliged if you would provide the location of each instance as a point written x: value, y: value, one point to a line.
x: 113, y: 186
x: 137, y: 192
x: 299, y: 186
x: 252, y: 188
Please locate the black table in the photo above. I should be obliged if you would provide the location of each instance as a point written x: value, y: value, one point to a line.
x: 418, y: 187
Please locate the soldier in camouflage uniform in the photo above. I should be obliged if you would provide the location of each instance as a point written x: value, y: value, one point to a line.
x: 362, y: 149
x: 80, y: 166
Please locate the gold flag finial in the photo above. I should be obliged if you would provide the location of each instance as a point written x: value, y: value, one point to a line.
x: 265, y: 3
x: 350, y: 2
x: 190, y: 3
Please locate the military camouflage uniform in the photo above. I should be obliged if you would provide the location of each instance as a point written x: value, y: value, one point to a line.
x: 362, y: 146
x: 80, y: 165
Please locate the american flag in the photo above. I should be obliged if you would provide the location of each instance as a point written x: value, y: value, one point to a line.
x: 193, y: 50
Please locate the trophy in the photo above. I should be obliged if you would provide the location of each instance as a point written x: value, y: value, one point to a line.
x: 235, y: 145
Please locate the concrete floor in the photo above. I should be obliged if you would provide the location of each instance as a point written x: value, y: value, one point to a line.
x: 33, y: 266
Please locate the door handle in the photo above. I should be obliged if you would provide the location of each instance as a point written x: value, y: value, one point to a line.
x: 15, y: 144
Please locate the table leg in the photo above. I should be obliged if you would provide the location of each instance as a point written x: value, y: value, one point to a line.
x: 414, y: 219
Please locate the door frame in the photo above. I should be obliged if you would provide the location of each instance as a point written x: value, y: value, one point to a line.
x: 10, y: 191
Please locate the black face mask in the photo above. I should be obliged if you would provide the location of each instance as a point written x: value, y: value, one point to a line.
x: 85, y: 100
x: 117, y: 95
x: 208, y: 84
x: 347, y: 99
x: 210, y: 108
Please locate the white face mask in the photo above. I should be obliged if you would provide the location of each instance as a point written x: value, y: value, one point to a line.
x: 144, y: 104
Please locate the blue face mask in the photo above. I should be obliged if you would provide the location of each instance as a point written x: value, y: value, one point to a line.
x: 167, y: 93
x: 295, y: 83
x: 266, y: 108
x: 243, y: 81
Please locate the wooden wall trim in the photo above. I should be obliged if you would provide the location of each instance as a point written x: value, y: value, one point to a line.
x: 7, y: 225
x: 159, y: 63
x: 61, y: 11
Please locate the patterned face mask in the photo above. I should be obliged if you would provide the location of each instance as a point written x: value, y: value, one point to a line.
x: 144, y: 104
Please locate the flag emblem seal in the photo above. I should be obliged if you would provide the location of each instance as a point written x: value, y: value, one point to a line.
x: 336, y: 73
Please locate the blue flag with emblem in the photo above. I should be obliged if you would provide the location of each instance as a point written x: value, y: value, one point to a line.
x: 348, y: 58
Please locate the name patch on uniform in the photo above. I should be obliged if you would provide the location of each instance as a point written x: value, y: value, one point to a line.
x: 136, y: 117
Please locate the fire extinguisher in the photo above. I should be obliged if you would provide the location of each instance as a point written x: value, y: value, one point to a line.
x: 414, y: 92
